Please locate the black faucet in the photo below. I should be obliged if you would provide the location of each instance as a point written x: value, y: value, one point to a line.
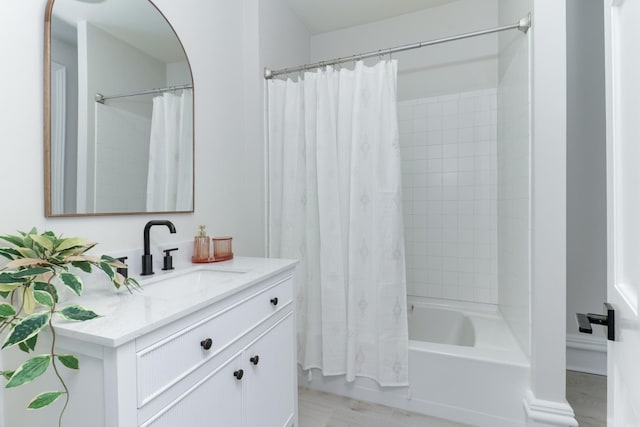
x: 147, y: 258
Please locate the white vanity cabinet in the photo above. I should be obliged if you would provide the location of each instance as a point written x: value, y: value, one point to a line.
x: 254, y: 386
x: 227, y: 361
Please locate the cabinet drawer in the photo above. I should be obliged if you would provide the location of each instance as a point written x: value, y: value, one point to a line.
x: 162, y: 364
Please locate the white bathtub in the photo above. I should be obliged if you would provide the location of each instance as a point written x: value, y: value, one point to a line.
x: 464, y: 366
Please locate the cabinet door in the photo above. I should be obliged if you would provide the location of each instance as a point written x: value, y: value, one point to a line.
x: 271, y: 386
x: 214, y: 402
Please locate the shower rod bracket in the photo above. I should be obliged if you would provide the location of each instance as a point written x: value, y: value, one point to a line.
x: 525, y: 23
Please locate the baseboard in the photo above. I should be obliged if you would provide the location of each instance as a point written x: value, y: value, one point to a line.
x: 547, y: 413
x: 586, y: 353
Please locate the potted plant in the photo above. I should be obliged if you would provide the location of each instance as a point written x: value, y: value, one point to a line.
x: 38, y: 265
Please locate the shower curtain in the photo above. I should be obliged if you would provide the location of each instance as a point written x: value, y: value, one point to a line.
x: 170, y: 172
x: 335, y: 205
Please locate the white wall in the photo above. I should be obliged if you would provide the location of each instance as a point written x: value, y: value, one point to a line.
x: 463, y: 66
x: 514, y: 174
x: 586, y: 181
x: 283, y: 42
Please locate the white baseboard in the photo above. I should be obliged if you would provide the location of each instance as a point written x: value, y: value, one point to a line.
x: 546, y: 413
x: 586, y: 353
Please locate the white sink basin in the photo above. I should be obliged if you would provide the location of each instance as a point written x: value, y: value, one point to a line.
x: 192, y: 277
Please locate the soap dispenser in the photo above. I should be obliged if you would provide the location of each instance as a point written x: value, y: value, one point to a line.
x: 201, y: 246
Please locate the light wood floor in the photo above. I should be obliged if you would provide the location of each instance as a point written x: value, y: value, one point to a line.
x: 317, y: 409
x: 585, y: 392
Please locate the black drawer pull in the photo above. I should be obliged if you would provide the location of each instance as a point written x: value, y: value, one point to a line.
x: 238, y: 374
x: 255, y: 359
x: 274, y: 301
x: 206, y: 343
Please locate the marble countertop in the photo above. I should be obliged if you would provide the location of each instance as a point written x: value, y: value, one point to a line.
x: 126, y: 316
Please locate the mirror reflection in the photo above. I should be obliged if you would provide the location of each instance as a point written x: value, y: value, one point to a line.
x: 119, y: 134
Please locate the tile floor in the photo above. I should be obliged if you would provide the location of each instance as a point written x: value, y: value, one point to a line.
x: 587, y: 394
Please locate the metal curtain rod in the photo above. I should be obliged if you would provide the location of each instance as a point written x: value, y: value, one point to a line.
x: 101, y: 98
x: 523, y: 25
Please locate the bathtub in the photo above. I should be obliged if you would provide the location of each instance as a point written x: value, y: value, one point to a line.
x: 464, y: 366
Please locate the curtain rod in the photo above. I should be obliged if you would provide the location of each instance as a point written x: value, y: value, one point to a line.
x: 522, y: 25
x: 101, y: 98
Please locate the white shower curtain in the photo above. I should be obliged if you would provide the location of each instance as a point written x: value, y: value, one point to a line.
x: 170, y: 173
x: 335, y: 204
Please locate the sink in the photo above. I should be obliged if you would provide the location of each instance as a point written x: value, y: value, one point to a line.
x: 194, y: 278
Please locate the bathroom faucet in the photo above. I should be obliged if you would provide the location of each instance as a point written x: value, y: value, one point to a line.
x: 147, y: 258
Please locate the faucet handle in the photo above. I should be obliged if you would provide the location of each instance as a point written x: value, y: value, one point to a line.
x: 123, y: 271
x: 168, y: 259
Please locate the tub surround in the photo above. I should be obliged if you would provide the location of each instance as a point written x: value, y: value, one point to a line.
x: 482, y: 384
x: 196, y: 342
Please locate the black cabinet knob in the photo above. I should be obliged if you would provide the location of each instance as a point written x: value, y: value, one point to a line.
x: 238, y: 374
x: 206, y: 343
x: 255, y: 359
x: 274, y: 301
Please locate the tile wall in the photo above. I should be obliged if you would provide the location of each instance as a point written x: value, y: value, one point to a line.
x: 449, y: 177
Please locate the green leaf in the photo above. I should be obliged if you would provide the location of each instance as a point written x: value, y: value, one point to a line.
x: 46, y: 287
x: 132, y: 283
x: 4, y: 294
x: 28, y: 253
x: 8, y: 278
x: 29, y: 370
x: 69, y: 360
x: 30, y: 272
x: 107, y: 269
x: 75, y: 312
x: 69, y: 243
x: 26, y: 328
x: 24, y: 347
x: 73, y: 282
x: 43, y: 241
x: 44, y: 399
x: 7, y: 374
x: 14, y: 240
x: 31, y: 342
x: 9, y: 253
x: 44, y: 298
x: 7, y: 310
x: 82, y: 265
x: 28, y: 242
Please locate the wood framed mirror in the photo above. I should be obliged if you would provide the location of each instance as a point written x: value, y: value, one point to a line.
x: 118, y: 111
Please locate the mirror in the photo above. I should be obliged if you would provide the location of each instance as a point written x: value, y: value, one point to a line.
x: 118, y: 104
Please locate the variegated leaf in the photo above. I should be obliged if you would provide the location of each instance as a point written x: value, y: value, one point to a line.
x: 43, y: 241
x: 25, y: 262
x: 28, y: 300
x: 76, y: 312
x: 70, y: 242
x: 26, y: 328
x: 44, y: 399
x: 72, y: 281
